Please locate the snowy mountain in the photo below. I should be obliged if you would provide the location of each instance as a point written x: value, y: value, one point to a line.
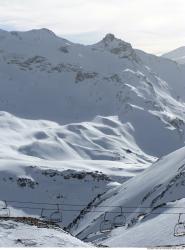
x: 46, y: 77
x: 177, y: 55
x: 81, y: 128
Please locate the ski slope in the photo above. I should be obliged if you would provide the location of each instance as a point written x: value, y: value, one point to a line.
x: 151, y: 204
x: 156, y: 230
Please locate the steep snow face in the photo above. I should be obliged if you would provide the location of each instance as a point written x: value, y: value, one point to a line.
x: 156, y: 230
x: 169, y: 71
x: 145, y: 200
x: 177, y: 55
x: 44, y: 76
x: 17, y: 234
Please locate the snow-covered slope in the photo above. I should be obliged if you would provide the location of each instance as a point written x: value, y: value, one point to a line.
x: 44, y: 76
x: 177, y: 55
x: 22, y: 234
x: 151, y: 203
x: 44, y: 162
x: 103, y: 139
x: 156, y: 230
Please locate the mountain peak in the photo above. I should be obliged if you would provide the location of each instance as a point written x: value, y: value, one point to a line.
x: 42, y: 30
x: 110, y: 41
x: 116, y: 46
x: 177, y: 55
x: 109, y: 37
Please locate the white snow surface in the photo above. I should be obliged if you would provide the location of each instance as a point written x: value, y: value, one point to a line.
x: 104, y: 138
x: 17, y: 234
x: 155, y: 231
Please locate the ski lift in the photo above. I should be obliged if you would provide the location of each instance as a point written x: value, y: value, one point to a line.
x: 4, y: 210
x: 56, y: 216
x: 179, y: 229
x: 42, y: 216
x: 106, y: 225
x: 120, y: 219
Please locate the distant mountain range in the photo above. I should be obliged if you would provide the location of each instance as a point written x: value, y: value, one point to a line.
x: 177, y: 55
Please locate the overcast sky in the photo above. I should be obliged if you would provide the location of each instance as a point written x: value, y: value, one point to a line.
x: 155, y: 26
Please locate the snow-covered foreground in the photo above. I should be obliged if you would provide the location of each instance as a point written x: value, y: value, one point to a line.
x: 17, y: 234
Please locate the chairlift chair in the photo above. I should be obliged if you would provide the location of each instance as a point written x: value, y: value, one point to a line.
x: 179, y: 229
x: 56, y: 216
x: 120, y: 219
x: 42, y: 216
x: 4, y: 210
x: 106, y: 225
